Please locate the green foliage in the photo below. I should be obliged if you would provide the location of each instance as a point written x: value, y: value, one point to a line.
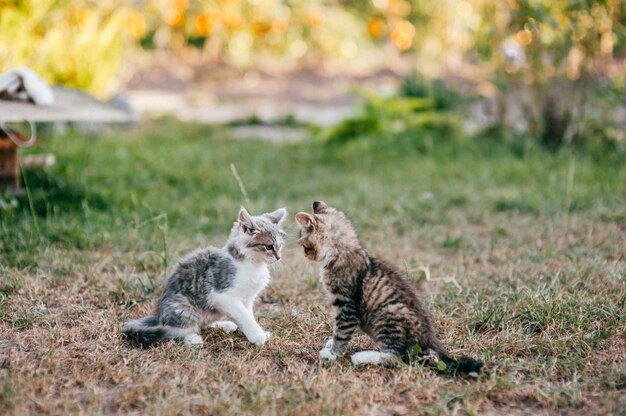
x: 381, y: 118
x: 520, y: 47
x: 73, y: 43
x: 54, y: 192
x: 443, y: 98
x: 7, y: 393
x: 81, y: 202
x: 551, y: 59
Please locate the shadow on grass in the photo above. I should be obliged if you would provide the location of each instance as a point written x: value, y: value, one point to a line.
x: 49, y: 192
x: 49, y: 195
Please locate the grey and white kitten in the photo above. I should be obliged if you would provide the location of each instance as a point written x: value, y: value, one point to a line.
x: 212, y: 283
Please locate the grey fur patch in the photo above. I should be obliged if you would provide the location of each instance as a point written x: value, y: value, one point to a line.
x: 149, y: 321
x: 223, y: 270
x: 190, y: 284
x: 235, y: 253
x: 185, y: 300
x: 144, y: 331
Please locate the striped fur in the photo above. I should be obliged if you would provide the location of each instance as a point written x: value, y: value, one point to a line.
x: 370, y: 294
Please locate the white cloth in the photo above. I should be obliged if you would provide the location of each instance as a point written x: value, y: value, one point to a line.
x: 24, y: 84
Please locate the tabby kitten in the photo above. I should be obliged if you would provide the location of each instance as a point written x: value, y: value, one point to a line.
x: 211, y: 283
x: 368, y: 293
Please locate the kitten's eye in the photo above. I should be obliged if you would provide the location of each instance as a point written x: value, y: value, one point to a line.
x: 268, y: 247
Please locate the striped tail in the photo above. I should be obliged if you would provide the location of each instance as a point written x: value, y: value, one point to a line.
x: 145, y: 331
x: 463, y: 365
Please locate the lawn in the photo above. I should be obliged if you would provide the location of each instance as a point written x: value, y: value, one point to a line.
x: 519, y: 252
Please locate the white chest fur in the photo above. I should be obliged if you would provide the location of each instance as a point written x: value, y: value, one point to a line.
x: 250, y: 279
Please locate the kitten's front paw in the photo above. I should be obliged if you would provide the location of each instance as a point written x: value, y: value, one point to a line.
x: 329, y: 343
x: 259, y: 339
x: 193, y: 340
x: 227, y: 326
x: 327, y: 354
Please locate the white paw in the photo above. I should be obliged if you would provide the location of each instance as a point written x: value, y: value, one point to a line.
x: 193, y: 340
x: 259, y: 339
x: 228, y: 326
x: 327, y: 354
x: 365, y: 357
x: 373, y: 357
x: 329, y: 343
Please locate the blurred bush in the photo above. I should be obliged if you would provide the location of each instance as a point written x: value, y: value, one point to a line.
x: 555, y: 65
x: 443, y: 97
x: 81, y: 43
x: 249, y: 33
x: 418, y: 111
x: 554, y: 68
x: 74, y: 43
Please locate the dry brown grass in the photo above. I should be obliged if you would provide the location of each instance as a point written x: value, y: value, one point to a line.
x: 61, y: 351
x: 526, y: 251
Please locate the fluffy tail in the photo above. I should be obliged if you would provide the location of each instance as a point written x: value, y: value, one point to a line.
x: 463, y: 365
x: 145, y: 331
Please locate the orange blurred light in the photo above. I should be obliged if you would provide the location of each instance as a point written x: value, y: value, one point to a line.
x: 261, y: 28
x: 136, y: 24
x: 316, y: 18
x: 279, y: 26
x: 514, y: 4
x: 204, y: 25
x: 402, y: 35
x: 524, y: 37
x: 376, y: 27
x: 230, y: 19
x: 399, y: 7
x: 180, y: 5
x: 175, y: 19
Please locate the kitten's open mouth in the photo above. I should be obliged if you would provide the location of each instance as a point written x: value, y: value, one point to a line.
x: 309, y: 253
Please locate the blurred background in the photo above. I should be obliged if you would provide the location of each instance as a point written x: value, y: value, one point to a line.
x: 478, y: 145
x: 553, y: 69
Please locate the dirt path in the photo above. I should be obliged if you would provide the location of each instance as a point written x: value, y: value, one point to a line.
x: 226, y: 95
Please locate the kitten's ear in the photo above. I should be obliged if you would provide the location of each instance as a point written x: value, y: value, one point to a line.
x: 305, y: 220
x: 319, y: 207
x: 246, y: 222
x: 278, y: 216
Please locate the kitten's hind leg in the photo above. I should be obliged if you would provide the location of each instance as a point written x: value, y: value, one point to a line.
x: 374, y: 357
x: 228, y: 326
x: 180, y: 320
x: 190, y: 336
x: 193, y: 340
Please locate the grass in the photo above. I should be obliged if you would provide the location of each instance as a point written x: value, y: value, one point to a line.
x: 525, y: 253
